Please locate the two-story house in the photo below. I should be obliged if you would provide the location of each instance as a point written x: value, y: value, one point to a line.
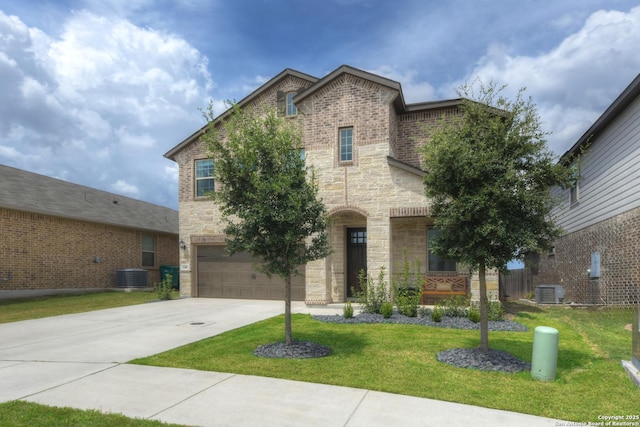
x: 597, y: 260
x: 362, y: 139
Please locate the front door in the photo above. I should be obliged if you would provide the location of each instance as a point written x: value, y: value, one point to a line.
x: 356, y: 257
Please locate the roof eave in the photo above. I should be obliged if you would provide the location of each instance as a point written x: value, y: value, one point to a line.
x: 287, y: 72
x: 405, y: 166
x: 621, y: 102
x: 431, y: 105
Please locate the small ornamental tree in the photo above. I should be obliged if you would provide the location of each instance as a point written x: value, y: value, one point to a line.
x: 267, y: 197
x: 488, y: 174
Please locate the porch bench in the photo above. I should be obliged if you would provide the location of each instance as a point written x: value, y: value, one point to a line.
x: 441, y: 287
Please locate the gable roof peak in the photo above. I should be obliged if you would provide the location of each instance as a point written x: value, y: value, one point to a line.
x: 347, y: 69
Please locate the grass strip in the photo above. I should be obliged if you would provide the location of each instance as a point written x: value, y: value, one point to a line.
x: 27, y: 414
x: 36, y: 308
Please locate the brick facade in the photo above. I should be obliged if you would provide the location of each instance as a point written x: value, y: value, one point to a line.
x: 48, y: 252
x: 368, y: 191
x: 617, y: 240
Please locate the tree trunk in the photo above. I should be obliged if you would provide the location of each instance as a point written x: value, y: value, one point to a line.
x: 484, y: 310
x: 287, y: 310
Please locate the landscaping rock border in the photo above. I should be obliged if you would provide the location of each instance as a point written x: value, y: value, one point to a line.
x: 447, y: 322
x: 493, y: 360
x: 297, y: 350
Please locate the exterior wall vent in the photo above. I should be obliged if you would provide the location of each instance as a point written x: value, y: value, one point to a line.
x: 131, y: 278
x: 549, y: 294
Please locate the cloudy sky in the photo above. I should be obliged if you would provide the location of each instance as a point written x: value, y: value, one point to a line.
x: 95, y: 92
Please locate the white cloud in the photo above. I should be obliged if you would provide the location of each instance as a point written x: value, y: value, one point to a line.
x: 172, y: 172
x: 413, y: 90
x: 133, y: 141
x: 9, y: 152
x: 104, y: 90
x: 573, y: 83
x: 122, y: 187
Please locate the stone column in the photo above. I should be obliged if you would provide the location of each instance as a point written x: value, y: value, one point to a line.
x: 493, y: 285
x: 318, y: 289
x: 379, y: 246
x: 186, y: 270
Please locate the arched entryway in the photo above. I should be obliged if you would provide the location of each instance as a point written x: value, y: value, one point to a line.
x: 348, y: 237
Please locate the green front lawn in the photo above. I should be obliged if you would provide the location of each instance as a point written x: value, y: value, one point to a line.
x: 27, y: 414
x: 402, y: 359
x: 36, y: 308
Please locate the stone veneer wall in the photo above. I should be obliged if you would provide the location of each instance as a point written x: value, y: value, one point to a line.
x: 364, y: 192
x: 618, y: 241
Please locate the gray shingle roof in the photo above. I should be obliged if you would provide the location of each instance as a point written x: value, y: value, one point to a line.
x: 25, y: 191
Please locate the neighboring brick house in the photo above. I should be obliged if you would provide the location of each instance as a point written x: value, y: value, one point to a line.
x: 597, y: 260
x: 57, y: 236
x: 362, y: 139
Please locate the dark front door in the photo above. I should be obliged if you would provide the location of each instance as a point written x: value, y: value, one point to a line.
x: 356, y: 257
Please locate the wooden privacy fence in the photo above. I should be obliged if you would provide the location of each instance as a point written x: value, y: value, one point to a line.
x: 516, y: 284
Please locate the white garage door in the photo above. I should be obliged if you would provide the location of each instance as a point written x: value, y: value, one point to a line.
x: 221, y: 276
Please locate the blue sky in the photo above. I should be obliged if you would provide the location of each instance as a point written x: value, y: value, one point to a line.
x: 95, y: 91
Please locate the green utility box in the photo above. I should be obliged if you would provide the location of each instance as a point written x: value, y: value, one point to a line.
x: 174, y: 271
x: 544, y: 360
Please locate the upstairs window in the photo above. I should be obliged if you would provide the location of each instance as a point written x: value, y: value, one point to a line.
x: 292, y: 110
x: 574, y: 190
x: 574, y: 193
x: 346, y: 144
x: 204, y: 177
x: 435, y: 262
x: 148, y: 251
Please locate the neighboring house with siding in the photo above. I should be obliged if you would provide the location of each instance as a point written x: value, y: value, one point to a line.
x: 597, y: 260
x: 57, y: 236
x: 362, y: 139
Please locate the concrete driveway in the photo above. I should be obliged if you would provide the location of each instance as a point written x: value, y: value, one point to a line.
x: 118, y: 335
x: 77, y: 361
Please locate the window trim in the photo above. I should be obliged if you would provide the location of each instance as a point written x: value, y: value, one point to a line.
x: 574, y: 194
x: 290, y: 107
x: 202, y: 178
x: 340, y: 145
x: 143, y: 250
x: 574, y: 189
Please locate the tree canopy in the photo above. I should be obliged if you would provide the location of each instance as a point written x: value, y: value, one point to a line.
x: 488, y: 174
x: 267, y: 197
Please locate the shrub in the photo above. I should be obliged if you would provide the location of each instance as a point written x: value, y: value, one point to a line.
x: 372, y: 294
x: 474, y: 313
x: 164, y: 288
x: 454, y: 306
x: 407, y: 296
x: 386, y: 310
x: 407, y: 301
x: 347, y: 311
x: 496, y: 310
x: 436, y: 314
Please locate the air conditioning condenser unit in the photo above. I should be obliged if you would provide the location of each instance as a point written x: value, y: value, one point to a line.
x: 549, y: 294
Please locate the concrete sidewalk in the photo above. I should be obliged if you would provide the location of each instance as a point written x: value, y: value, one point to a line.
x: 77, y: 361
